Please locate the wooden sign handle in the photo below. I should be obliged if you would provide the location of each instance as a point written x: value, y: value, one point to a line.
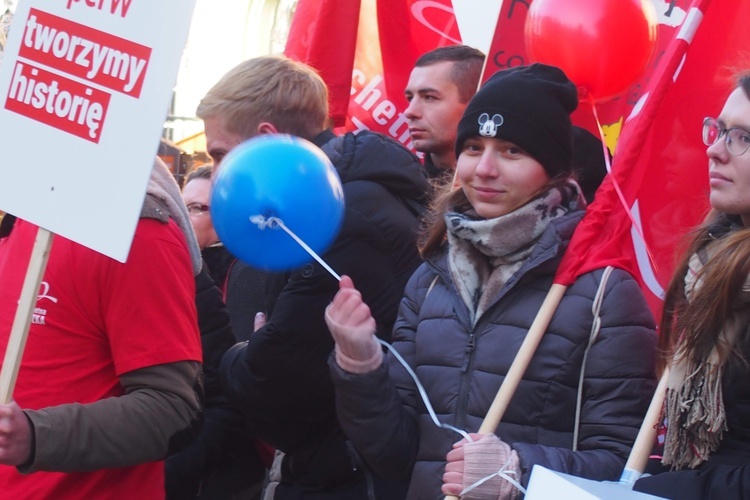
x: 22, y: 320
x: 522, y: 359
x: 521, y: 362
x: 646, y: 438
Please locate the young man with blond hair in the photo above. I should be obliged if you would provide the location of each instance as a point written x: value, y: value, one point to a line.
x: 279, y: 377
x: 264, y: 95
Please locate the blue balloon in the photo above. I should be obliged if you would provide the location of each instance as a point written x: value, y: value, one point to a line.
x: 282, y: 177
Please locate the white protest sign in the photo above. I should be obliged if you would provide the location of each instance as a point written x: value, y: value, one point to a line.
x: 545, y: 484
x: 85, y: 86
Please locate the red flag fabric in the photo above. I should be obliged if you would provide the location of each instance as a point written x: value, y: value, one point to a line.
x: 660, y: 161
x: 673, y: 197
x: 602, y: 237
x: 409, y: 29
x: 323, y: 34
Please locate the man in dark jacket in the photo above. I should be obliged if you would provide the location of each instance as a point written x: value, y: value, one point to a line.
x: 279, y: 377
x: 439, y: 88
x: 222, y: 462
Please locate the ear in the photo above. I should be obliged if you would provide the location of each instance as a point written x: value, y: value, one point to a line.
x: 267, y: 128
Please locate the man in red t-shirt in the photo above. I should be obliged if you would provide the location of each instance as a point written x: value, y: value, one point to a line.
x: 109, y: 380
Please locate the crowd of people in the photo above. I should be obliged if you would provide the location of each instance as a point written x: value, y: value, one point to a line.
x: 186, y: 373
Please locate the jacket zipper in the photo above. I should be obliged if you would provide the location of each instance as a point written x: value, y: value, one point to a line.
x: 468, y: 363
x: 466, y: 366
x: 465, y: 384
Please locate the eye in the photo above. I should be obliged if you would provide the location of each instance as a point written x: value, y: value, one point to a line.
x: 472, y: 147
x: 513, y: 151
x: 737, y: 135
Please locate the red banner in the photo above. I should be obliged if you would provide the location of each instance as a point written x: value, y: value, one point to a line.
x: 323, y: 34
x: 660, y: 162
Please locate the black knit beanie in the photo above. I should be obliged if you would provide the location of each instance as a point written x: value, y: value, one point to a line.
x: 529, y: 106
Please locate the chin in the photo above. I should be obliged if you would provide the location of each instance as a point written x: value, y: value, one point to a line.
x: 490, y: 213
x: 425, y: 146
x: 718, y: 203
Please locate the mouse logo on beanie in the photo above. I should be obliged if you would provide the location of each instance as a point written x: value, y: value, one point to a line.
x: 487, y: 127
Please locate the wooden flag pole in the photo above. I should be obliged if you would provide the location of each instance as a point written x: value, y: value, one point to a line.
x: 522, y: 359
x: 22, y: 320
x: 521, y: 362
x: 644, y: 443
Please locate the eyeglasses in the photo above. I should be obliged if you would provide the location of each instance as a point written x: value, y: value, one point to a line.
x: 197, y: 209
x: 737, y: 139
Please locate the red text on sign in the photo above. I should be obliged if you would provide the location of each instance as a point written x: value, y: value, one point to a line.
x: 84, y: 52
x: 114, y: 5
x: 57, y: 101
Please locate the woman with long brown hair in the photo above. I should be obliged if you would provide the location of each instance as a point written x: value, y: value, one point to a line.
x: 705, y: 328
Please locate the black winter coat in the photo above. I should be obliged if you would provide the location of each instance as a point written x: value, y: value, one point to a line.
x: 279, y: 376
x: 710, y: 481
x: 223, y: 459
x: 462, y: 368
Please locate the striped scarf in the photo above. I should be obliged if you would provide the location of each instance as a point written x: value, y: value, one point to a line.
x: 694, y: 406
x: 484, y: 253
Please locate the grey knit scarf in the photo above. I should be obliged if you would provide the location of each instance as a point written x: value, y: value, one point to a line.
x: 163, y: 185
x: 484, y: 253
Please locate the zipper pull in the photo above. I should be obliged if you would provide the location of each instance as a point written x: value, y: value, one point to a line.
x: 467, y: 352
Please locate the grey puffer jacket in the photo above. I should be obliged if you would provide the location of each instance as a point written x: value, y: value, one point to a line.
x: 462, y: 368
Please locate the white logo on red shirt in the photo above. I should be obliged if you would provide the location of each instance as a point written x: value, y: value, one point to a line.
x: 40, y: 314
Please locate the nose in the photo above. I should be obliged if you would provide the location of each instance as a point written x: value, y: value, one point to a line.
x: 487, y: 165
x: 718, y: 150
x: 412, y: 110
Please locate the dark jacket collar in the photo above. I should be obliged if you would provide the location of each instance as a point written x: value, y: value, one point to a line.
x: 323, y: 137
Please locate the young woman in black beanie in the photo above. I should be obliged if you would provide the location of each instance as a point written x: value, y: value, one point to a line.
x: 491, y: 250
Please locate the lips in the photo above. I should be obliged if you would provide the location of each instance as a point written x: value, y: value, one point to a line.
x: 717, y: 176
x: 485, y: 193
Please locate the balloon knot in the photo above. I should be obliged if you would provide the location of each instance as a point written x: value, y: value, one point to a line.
x: 263, y: 222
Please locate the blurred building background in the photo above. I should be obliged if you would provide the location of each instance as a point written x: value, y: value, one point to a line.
x: 222, y: 35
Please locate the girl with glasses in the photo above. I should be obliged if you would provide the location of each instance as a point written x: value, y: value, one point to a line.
x: 705, y: 328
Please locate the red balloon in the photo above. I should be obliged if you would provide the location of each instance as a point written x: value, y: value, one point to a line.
x: 602, y: 45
